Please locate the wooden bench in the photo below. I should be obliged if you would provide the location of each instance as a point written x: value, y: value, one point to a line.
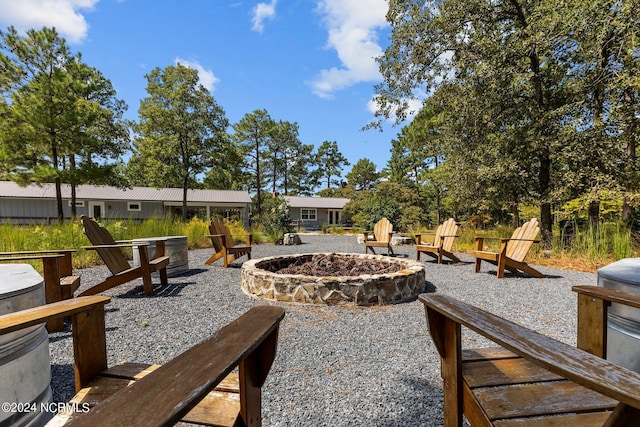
x: 198, y: 386
x: 532, y: 379
x: 57, y: 270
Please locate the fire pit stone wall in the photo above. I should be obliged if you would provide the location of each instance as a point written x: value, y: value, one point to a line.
x: 260, y: 280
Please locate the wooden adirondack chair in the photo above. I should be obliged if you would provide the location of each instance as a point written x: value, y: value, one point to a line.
x: 382, y: 233
x: 111, y: 253
x: 57, y: 269
x: 512, y: 251
x: 224, y: 245
x: 442, y: 243
x: 531, y: 379
x: 199, y: 386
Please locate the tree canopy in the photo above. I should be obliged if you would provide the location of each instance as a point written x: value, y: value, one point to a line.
x: 528, y: 101
x: 61, y: 121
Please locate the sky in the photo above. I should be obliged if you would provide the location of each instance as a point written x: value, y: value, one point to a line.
x: 304, y: 61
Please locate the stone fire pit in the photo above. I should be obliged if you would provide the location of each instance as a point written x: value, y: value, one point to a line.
x: 261, y: 280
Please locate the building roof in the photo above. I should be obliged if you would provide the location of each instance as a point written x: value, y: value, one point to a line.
x: 316, y: 202
x: 140, y: 194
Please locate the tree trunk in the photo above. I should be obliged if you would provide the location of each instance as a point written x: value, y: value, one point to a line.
x: 515, y: 211
x: 58, y: 183
x: 258, y: 179
x: 629, y: 136
x: 544, y: 179
x: 544, y: 155
x: 185, y: 189
x: 594, y: 213
x: 72, y: 166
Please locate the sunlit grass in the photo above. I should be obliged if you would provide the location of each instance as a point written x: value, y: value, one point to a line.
x: 587, y: 250
x: 16, y: 238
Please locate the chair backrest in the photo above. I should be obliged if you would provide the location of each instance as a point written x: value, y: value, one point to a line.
x: 517, y: 250
x: 222, y: 229
x: 213, y: 230
x: 448, y: 228
x: 113, y: 257
x: 382, y: 229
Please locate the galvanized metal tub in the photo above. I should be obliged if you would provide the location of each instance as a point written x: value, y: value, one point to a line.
x: 25, y: 366
x: 175, y: 246
x: 623, y: 331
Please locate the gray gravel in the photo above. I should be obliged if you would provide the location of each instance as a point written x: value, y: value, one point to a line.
x: 336, y: 366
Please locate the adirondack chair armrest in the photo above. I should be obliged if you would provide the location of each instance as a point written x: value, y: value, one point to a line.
x: 491, y: 238
x: 562, y: 359
x: 118, y: 245
x: 15, y: 321
x: 30, y: 257
x: 505, y: 239
x: 593, y: 305
x: 38, y: 252
x: 608, y: 295
x: 248, y: 342
x: 88, y: 330
x: 420, y: 240
x: 66, y: 265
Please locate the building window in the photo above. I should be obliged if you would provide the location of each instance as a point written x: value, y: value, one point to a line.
x: 133, y: 206
x: 79, y: 203
x: 308, y: 214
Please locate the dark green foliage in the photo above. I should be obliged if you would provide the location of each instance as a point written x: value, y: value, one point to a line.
x: 363, y: 175
x: 330, y: 162
x: 398, y: 204
x: 61, y: 121
x: 276, y: 220
x: 181, y: 132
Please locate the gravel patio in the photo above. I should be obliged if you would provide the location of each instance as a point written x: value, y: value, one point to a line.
x: 336, y: 366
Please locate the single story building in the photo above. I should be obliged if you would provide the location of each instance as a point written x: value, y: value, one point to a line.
x: 37, y: 203
x: 312, y: 212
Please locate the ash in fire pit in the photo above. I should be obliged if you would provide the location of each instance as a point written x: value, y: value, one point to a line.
x: 332, y: 265
x: 333, y: 278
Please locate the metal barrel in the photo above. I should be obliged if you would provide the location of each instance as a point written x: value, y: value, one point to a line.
x: 623, y: 323
x: 175, y: 246
x: 25, y: 366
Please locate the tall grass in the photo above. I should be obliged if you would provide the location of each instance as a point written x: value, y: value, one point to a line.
x: 591, y: 248
x: 15, y: 238
x: 587, y: 249
x: 609, y: 241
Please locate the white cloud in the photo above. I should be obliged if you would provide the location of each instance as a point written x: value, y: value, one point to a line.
x: 261, y: 12
x: 352, y: 26
x: 206, y: 77
x: 64, y: 15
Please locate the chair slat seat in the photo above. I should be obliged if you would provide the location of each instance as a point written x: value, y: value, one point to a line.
x: 531, y: 379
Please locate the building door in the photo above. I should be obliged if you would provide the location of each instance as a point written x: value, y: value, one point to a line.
x: 96, y: 209
x: 334, y: 217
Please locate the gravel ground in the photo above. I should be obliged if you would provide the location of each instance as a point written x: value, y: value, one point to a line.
x: 336, y: 366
